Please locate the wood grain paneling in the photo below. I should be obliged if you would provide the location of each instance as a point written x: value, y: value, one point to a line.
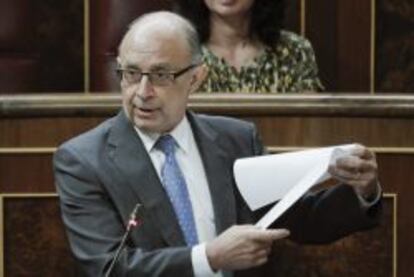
x: 340, y: 32
x: 354, y: 46
x: 49, y: 50
x: 60, y: 40
x: 34, y: 241
x: 311, y: 120
x: 394, y: 46
x: 316, y: 131
x: 34, y: 59
x: 396, y: 174
x: 321, y: 29
x: 293, y: 16
x: 26, y: 173
x: 43, y: 131
x: 276, y: 130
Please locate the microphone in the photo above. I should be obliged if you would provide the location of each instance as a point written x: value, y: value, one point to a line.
x: 132, y: 223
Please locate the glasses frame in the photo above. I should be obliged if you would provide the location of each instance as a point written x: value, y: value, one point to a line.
x: 172, y: 76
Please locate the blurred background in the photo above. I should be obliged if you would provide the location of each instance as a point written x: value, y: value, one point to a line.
x: 70, y: 46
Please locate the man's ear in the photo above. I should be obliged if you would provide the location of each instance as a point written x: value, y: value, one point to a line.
x: 199, y: 74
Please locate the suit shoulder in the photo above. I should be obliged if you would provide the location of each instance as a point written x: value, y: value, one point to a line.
x: 89, y: 140
x: 227, y: 124
x: 239, y: 138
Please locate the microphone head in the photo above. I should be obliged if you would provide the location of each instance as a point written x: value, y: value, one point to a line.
x: 134, y: 217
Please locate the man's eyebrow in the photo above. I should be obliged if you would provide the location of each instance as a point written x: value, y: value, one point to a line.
x: 156, y: 67
x: 132, y: 66
x: 161, y: 67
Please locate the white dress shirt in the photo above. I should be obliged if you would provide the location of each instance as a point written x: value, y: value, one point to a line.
x: 191, y: 165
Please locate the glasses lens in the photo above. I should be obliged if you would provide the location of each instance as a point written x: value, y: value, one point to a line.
x: 161, y: 78
x: 132, y: 76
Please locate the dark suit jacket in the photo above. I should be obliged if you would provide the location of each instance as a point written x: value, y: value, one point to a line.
x: 103, y: 173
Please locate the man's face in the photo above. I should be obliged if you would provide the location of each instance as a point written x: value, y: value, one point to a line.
x: 152, y: 107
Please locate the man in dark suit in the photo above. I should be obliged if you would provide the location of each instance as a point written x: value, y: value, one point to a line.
x: 194, y: 221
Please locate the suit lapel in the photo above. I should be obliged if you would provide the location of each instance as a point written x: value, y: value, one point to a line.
x: 217, y: 166
x: 132, y: 160
x: 138, y: 175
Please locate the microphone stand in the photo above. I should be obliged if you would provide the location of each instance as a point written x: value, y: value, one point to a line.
x: 132, y: 223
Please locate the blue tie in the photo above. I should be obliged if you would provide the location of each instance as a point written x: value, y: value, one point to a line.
x: 176, y: 187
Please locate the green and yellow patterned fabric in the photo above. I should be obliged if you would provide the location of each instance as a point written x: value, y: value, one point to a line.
x: 288, y: 67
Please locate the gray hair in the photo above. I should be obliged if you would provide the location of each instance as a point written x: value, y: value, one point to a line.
x: 186, y: 27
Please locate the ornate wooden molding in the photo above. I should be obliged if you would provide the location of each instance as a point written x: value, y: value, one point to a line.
x: 348, y: 105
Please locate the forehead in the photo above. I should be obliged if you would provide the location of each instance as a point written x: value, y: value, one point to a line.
x: 151, y: 46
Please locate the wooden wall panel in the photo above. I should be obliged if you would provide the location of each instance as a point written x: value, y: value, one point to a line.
x: 34, y: 242
x: 394, y: 46
x: 33, y: 58
x: 354, y: 47
x: 45, y: 48
x: 396, y: 175
x: 43, y: 131
x: 340, y: 32
x: 288, y: 131
x: 293, y: 16
x: 316, y: 131
x: 321, y: 29
x: 305, y: 120
x: 26, y: 173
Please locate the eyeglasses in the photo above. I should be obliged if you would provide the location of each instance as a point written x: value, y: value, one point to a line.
x: 134, y: 76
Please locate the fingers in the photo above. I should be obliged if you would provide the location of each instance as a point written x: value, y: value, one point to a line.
x: 359, y: 165
x: 259, y: 244
x: 353, y: 164
x: 362, y: 152
x: 260, y: 257
x: 358, y: 169
x: 242, y: 247
x: 268, y: 236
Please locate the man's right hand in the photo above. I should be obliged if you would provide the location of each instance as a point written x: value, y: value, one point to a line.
x: 241, y: 247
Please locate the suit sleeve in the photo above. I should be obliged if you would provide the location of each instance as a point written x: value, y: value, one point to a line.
x: 329, y: 214
x: 94, y: 227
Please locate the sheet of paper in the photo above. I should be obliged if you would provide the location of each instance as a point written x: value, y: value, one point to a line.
x: 285, y: 177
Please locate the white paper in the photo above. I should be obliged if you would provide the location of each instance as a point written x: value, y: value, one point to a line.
x: 267, y: 179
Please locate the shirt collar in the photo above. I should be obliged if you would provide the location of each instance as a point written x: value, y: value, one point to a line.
x: 181, y: 133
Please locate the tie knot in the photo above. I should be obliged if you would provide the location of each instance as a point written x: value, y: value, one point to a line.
x: 166, y: 144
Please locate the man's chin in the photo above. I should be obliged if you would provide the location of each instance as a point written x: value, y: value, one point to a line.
x: 145, y: 126
x: 148, y: 126
x: 153, y: 125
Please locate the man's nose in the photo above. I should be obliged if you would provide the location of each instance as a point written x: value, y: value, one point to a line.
x: 145, y: 88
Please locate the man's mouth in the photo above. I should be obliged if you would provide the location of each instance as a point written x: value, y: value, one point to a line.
x: 144, y: 112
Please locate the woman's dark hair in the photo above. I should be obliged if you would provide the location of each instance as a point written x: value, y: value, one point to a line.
x: 266, y: 22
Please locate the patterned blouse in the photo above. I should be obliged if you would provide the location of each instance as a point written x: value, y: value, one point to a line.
x: 289, y: 67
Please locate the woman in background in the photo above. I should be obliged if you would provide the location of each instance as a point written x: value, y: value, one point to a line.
x: 245, y: 49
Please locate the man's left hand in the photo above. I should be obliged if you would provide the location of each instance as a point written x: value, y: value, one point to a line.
x: 359, y: 170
